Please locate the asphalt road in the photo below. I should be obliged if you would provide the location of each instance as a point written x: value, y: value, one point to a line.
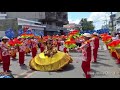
x: 105, y: 68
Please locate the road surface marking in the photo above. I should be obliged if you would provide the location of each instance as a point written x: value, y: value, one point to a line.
x: 21, y: 74
x: 17, y: 76
x: 27, y: 76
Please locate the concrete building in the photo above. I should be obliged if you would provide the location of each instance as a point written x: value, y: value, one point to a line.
x: 50, y: 18
x: 19, y: 23
x: 72, y: 26
x: 3, y: 15
x: 35, y: 16
x: 118, y: 21
x: 53, y: 21
x: 112, y: 17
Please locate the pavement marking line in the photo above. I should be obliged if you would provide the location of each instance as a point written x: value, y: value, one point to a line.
x: 29, y: 74
x: 21, y: 74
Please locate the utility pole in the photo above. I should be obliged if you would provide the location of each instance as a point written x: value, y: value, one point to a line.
x: 112, y: 23
x: 105, y: 23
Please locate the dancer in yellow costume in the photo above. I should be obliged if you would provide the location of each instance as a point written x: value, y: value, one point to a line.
x: 50, y: 59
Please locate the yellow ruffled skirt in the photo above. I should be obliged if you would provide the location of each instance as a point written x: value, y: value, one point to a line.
x: 45, y: 63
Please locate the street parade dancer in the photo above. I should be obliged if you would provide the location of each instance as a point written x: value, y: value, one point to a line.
x: 42, y: 46
x: 22, y: 49
x: 113, y: 46
x: 114, y: 53
x: 5, y: 54
x: 86, y: 53
x: 95, y: 41
x: 65, y: 49
x: 51, y: 59
x: 34, y: 44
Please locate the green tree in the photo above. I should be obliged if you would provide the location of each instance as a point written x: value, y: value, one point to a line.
x: 86, y: 25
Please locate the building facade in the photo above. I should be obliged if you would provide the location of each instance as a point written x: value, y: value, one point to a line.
x: 3, y: 15
x: 54, y: 21
x: 26, y: 15
x: 112, y: 18
x: 118, y: 21
x: 50, y: 18
x: 72, y: 26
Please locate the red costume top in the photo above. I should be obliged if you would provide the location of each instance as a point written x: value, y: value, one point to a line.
x: 27, y: 43
x: 22, y: 47
x: 42, y: 45
x: 58, y: 43
x: 34, y: 43
x: 95, y: 42
x: 4, y: 48
x: 86, y: 51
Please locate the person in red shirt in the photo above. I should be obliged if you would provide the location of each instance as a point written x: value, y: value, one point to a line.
x: 42, y: 46
x: 65, y: 49
x: 86, y: 53
x: 5, y: 54
x: 58, y: 44
x: 34, y: 44
x: 22, y: 49
x: 95, y: 41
